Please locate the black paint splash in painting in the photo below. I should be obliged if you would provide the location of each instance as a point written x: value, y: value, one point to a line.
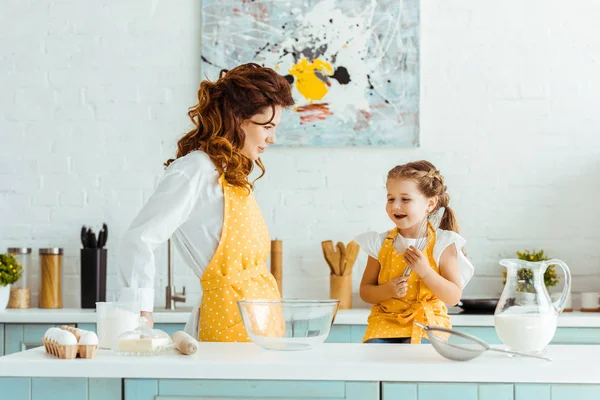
x: 371, y: 87
x: 261, y: 49
x: 211, y: 63
x: 313, y: 54
x: 341, y: 75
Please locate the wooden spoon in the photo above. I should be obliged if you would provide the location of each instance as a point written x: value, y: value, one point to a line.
x: 351, y: 253
x: 331, y: 256
x: 342, y: 254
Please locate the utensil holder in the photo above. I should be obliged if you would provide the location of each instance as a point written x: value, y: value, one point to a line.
x: 340, y: 288
x: 93, y: 277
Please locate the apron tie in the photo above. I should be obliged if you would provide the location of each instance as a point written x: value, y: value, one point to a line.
x: 234, y: 278
x: 420, y: 311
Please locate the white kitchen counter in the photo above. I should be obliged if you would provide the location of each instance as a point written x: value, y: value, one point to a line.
x: 347, y: 362
x: 344, y: 317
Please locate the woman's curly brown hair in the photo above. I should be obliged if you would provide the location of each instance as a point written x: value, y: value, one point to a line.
x: 222, y: 106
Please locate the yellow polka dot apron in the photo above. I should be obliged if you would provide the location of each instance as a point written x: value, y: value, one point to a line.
x: 238, y: 270
x: 394, y: 318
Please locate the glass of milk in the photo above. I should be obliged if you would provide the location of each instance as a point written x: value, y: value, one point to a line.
x: 526, y: 317
x: 114, y: 318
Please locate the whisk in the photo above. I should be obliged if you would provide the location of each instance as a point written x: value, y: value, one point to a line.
x: 422, y: 238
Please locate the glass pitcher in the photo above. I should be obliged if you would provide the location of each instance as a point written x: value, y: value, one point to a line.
x: 526, y: 318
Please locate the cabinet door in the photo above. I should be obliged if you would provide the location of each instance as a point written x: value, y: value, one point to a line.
x: 1, y: 340
x: 485, y: 333
x: 170, y: 328
x: 346, y: 334
x: 447, y: 391
x: 60, y: 388
x: 563, y: 335
x: 87, y: 327
x: 179, y: 389
x: 339, y: 334
x: 577, y: 336
x: 21, y: 337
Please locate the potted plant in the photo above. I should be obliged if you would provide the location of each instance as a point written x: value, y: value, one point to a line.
x: 10, y: 272
x: 525, y: 275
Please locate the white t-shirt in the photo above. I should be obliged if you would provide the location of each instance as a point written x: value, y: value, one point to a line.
x: 187, y: 206
x: 371, y: 242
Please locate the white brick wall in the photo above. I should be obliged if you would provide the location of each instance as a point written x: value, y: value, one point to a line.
x: 95, y: 95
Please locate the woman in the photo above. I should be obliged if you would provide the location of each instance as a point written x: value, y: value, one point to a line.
x: 205, y: 204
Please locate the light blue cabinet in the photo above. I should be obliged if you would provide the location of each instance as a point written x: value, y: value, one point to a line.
x: 487, y: 391
x: 170, y: 328
x: 562, y: 336
x: 346, y: 334
x: 355, y: 333
x: 20, y: 337
x: 60, y: 389
x: 176, y: 389
x: 1, y: 340
x: 179, y: 389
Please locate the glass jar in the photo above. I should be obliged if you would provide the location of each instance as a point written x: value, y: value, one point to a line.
x: 20, y: 292
x: 51, y: 277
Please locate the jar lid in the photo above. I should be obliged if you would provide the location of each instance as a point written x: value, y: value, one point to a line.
x: 142, y: 341
x: 19, y: 250
x: 51, y: 250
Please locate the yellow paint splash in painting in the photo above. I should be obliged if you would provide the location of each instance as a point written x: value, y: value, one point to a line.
x: 307, y: 82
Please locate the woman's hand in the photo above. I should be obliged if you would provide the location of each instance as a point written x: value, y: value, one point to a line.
x: 148, y: 316
x: 418, y: 261
x: 397, y: 287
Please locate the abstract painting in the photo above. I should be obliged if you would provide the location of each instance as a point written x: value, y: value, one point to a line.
x: 353, y: 64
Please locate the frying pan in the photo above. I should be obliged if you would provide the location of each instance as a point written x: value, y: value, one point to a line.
x: 478, y: 305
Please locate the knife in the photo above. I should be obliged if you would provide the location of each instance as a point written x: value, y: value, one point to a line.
x: 92, y: 242
x: 101, y: 239
x: 103, y: 236
x: 84, y: 237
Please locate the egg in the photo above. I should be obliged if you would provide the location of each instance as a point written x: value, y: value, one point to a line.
x: 53, y: 333
x: 66, y: 338
x: 88, y: 338
x: 47, y: 334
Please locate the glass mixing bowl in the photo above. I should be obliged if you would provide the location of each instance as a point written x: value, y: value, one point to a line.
x: 291, y: 324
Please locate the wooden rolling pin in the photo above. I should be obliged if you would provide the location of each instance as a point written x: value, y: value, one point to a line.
x: 276, y: 263
x: 185, y: 343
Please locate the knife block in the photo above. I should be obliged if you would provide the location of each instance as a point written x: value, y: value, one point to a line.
x: 93, y: 277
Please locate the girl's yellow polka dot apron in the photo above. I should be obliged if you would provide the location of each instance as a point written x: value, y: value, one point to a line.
x: 394, y: 318
x: 238, y: 270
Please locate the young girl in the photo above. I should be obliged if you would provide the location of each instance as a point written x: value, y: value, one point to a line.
x: 439, y: 272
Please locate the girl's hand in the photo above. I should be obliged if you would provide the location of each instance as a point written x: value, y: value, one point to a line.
x: 418, y: 261
x: 397, y: 287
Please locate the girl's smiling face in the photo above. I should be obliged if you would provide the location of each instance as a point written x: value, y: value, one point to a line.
x: 407, y: 206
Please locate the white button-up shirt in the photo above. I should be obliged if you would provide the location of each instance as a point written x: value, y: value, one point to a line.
x: 187, y: 206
